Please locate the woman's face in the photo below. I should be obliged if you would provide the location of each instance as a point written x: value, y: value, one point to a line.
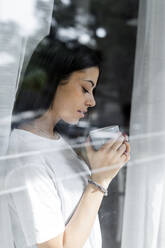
x: 76, y: 95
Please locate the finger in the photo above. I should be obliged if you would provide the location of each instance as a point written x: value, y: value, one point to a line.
x: 126, y: 137
x: 124, y: 158
x: 127, y: 158
x: 127, y: 147
x: 118, y: 143
x: 121, y: 150
x: 108, y: 144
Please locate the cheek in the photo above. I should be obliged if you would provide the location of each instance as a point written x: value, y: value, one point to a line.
x: 74, y: 96
x: 67, y: 102
x: 71, y: 102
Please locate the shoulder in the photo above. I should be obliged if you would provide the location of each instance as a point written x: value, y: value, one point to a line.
x: 18, y: 140
x: 23, y: 152
x: 27, y: 176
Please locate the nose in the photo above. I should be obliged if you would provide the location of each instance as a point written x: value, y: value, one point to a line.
x: 91, y: 101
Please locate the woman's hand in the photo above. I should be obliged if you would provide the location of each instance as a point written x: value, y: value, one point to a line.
x: 107, y: 161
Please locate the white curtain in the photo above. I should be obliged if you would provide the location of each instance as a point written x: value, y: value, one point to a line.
x: 144, y: 210
x: 23, y: 24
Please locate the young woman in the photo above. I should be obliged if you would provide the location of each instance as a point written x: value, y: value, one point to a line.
x: 57, y: 206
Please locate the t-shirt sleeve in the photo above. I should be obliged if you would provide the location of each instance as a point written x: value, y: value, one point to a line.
x: 36, y: 203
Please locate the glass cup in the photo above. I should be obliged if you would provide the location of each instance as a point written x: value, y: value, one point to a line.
x: 102, y: 135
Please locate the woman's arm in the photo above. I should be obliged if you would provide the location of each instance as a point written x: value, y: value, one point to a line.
x: 79, y: 227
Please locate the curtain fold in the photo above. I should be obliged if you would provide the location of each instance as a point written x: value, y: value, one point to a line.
x: 144, y: 210
x: 23, y: 24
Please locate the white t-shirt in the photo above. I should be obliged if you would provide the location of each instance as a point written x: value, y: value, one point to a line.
x: 47, y: 180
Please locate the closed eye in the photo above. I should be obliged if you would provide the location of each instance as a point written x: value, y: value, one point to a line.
x: 84, y: 90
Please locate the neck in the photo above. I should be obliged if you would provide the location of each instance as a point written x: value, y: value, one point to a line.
x: 43, y: 126
x: 45, y: 123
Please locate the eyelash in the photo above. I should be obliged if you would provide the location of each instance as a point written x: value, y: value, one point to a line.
x: 84, y: 90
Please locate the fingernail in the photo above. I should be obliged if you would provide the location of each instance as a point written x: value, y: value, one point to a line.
x: 125, y: 136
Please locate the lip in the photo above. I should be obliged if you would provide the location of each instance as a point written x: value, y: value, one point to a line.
x: 81, y: 113
x: 84, y: 111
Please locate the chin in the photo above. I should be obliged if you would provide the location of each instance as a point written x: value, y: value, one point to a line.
x: 71, y: 121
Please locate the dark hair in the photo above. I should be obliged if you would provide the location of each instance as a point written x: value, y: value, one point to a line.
x: 59, y: 61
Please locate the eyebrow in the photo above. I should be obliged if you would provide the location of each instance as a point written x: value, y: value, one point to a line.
x: 90, y: 81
